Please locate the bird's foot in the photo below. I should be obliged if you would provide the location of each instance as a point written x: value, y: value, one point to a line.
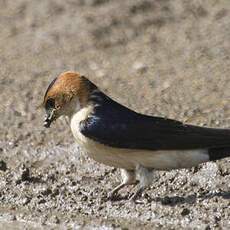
x: 136, y: 195
x: 113, y: 195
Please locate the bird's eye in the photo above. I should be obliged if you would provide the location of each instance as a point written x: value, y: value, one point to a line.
x: 50, y: 103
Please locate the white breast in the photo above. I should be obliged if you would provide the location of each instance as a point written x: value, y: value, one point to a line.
x: 130, y: 158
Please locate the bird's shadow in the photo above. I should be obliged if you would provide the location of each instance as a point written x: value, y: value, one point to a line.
x: 190, y: 199
x: 179, y: 200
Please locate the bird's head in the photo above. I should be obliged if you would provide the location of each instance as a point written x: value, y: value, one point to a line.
x: 65, y: 95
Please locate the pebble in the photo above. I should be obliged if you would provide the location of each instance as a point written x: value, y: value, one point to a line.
x: 3, y: 166
x: 25, y: 173
x: 140, y: 67
x: 185, y: 212
x: 55, y: 220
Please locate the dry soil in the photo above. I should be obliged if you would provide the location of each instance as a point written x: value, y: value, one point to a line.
x: 162, y: 57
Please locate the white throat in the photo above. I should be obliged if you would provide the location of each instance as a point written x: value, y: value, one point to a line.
x: 76, y: 118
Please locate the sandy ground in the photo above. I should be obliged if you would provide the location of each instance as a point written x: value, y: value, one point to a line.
x: 164, y: 57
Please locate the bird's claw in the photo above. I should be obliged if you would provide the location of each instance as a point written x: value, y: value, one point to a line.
x: 112, y: 196
x: 136, y: 195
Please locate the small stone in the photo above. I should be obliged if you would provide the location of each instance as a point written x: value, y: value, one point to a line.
x: 185, y: 212
x: 46, y: 192
x: 10, y: 217
x: 140, y: 67
x: 84, y: 198
x: 100, y: 73
x: 41, y: 201
x: 43, y: 220
x: 166, y: 85
x: 55, y: 220
x: 25, y: 201
x: 3, y: 166
x: 25, y: 174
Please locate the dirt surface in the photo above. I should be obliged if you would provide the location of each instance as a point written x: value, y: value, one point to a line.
x: 162, y: 57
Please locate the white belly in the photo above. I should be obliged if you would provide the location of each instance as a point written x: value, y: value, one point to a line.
x: 130, y: 158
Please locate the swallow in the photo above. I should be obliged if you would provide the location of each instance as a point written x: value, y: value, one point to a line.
x: 137, y: 144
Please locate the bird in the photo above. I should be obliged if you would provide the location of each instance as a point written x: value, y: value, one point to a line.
x: 137, y: 144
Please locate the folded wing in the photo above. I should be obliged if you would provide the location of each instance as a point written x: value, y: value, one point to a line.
x: 117, y: 126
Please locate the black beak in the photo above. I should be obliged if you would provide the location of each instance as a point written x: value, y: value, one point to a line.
x: 49, y: 118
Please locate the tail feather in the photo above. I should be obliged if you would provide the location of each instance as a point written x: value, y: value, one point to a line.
x: 218, y: 153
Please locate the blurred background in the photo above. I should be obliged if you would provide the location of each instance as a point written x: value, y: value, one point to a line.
x: 161, y: 57
x: 169, y: 58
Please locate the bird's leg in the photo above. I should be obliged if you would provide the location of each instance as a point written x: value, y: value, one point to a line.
x: 145, y: 176
x: 128, y: 178
x: 137, y: 194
